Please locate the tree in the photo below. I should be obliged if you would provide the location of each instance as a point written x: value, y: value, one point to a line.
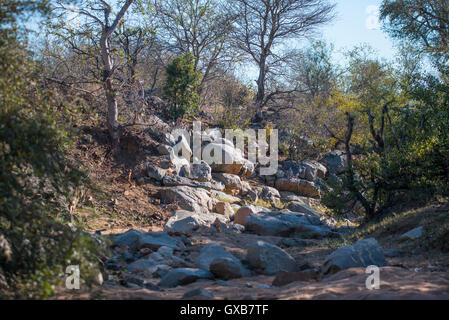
x: 263, y: 26
x: 101, y: 19
x: 201, y: 28
x: 423, y: 22
x: 181, y: 85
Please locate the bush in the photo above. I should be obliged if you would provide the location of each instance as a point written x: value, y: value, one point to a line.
x: 181, y: 85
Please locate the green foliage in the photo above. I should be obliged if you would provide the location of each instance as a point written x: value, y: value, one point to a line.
x: 181, y: 86
x: 37, y: 185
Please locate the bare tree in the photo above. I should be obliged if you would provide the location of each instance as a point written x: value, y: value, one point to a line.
x: 263, y: 26
x: 100, y: 20
x: 201, y: 27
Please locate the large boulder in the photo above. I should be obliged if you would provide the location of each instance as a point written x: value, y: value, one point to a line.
x: 232, y: 182
x: 220, y: 262
x: 298, y: 186
x: 155, y: 240
x: 156, y: 173
x: 270, y: 194
x: 201, y: 172
x: 188, y: 198
x: 246, y: 211
x: 129, y: 239
x: 185, y: 222
x: 270, y: 259
x: 225, y: 209
x: 287, y: 224
x: 335, y: 162
x: 174, y: 181
x: 362, y: 254
x: 183, y: 276
x: 232, y: 159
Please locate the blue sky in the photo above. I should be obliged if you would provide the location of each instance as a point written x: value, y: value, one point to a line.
x: 354, y: 25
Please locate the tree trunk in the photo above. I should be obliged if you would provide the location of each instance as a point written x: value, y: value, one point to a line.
x: 261, y: 84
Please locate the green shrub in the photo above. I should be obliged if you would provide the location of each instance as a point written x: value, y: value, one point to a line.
x: 181, y: 85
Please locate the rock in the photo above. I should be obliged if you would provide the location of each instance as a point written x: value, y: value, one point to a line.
x: 298, y: 186
x: 183, y: 276
x: 246, y: 211
x: 186, y: 222
x: 198, y: 294
x: 188, y: 198
x: 129, y: 239
x: 232, y: 159
x: 413, y: 234
x: 184, y: 171
x: 303, y: 208
x: 155, y: 173
x: 226, y: 268
x: 232, y: 182
x: 212, y: 251
x: 270, y: 194
x: 362, y: 254
x: 284, y: 277
x: 156, y: 240
x: 178, y: 162
x: 225, y: 209
x: 201, y: 172
x: 287, y: 224
x: 393, y: 253
x: 237, y: 228
x: 335, y: 162
x: 139, y: 281
x: 164, y: 149
x: 252, y: 195
x: 270, y: 259
x: 175, y: 181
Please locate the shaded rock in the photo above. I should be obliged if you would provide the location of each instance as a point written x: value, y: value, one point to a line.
x: 283, y: 277
x: 287, y: 224
x: 226, y: 268
x: 188, y: 198
x: 298, y: 186
x: 175, y: 181
x: 183, y: 276
x: 156, y: 240
x: 186, y: 222
x: 270, y: 259
x: 129, y: 239
x: 362, y: 254
x: 335, y: 162
x: 213, y: 251
x: 413, y: 234
x: 237, y: 228
x: 393, y: 253
x: 198, y: 294
x: 164, y: 149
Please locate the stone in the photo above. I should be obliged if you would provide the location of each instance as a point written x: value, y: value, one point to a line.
x: 178, y: 162
x: 237, y: 228
x: 287, y: 224
x: 198, y: 294
x: 201, y: 172
x: 232, y: 159
x: 413, y: 234
x: 232, y: 182
x: 335, y: 162
x: 188, y: 198
x: 212, y: 251
x: 164, y: 149
x: 225, y: 209
x: 224, y: 196
x: 303, y: 208
x: 284, y: 277
x: 298, y: 186
x: 270, y: 259
x: 129, y: 239
x: 175, y: 181
x: 185, y: 222
x: 362, y: 254
x: 226, y: 268
x: 183, y: 276
x: 270, y: 194
x: 155, y: 173
x: 156, y: 240
x: 246, y: 211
